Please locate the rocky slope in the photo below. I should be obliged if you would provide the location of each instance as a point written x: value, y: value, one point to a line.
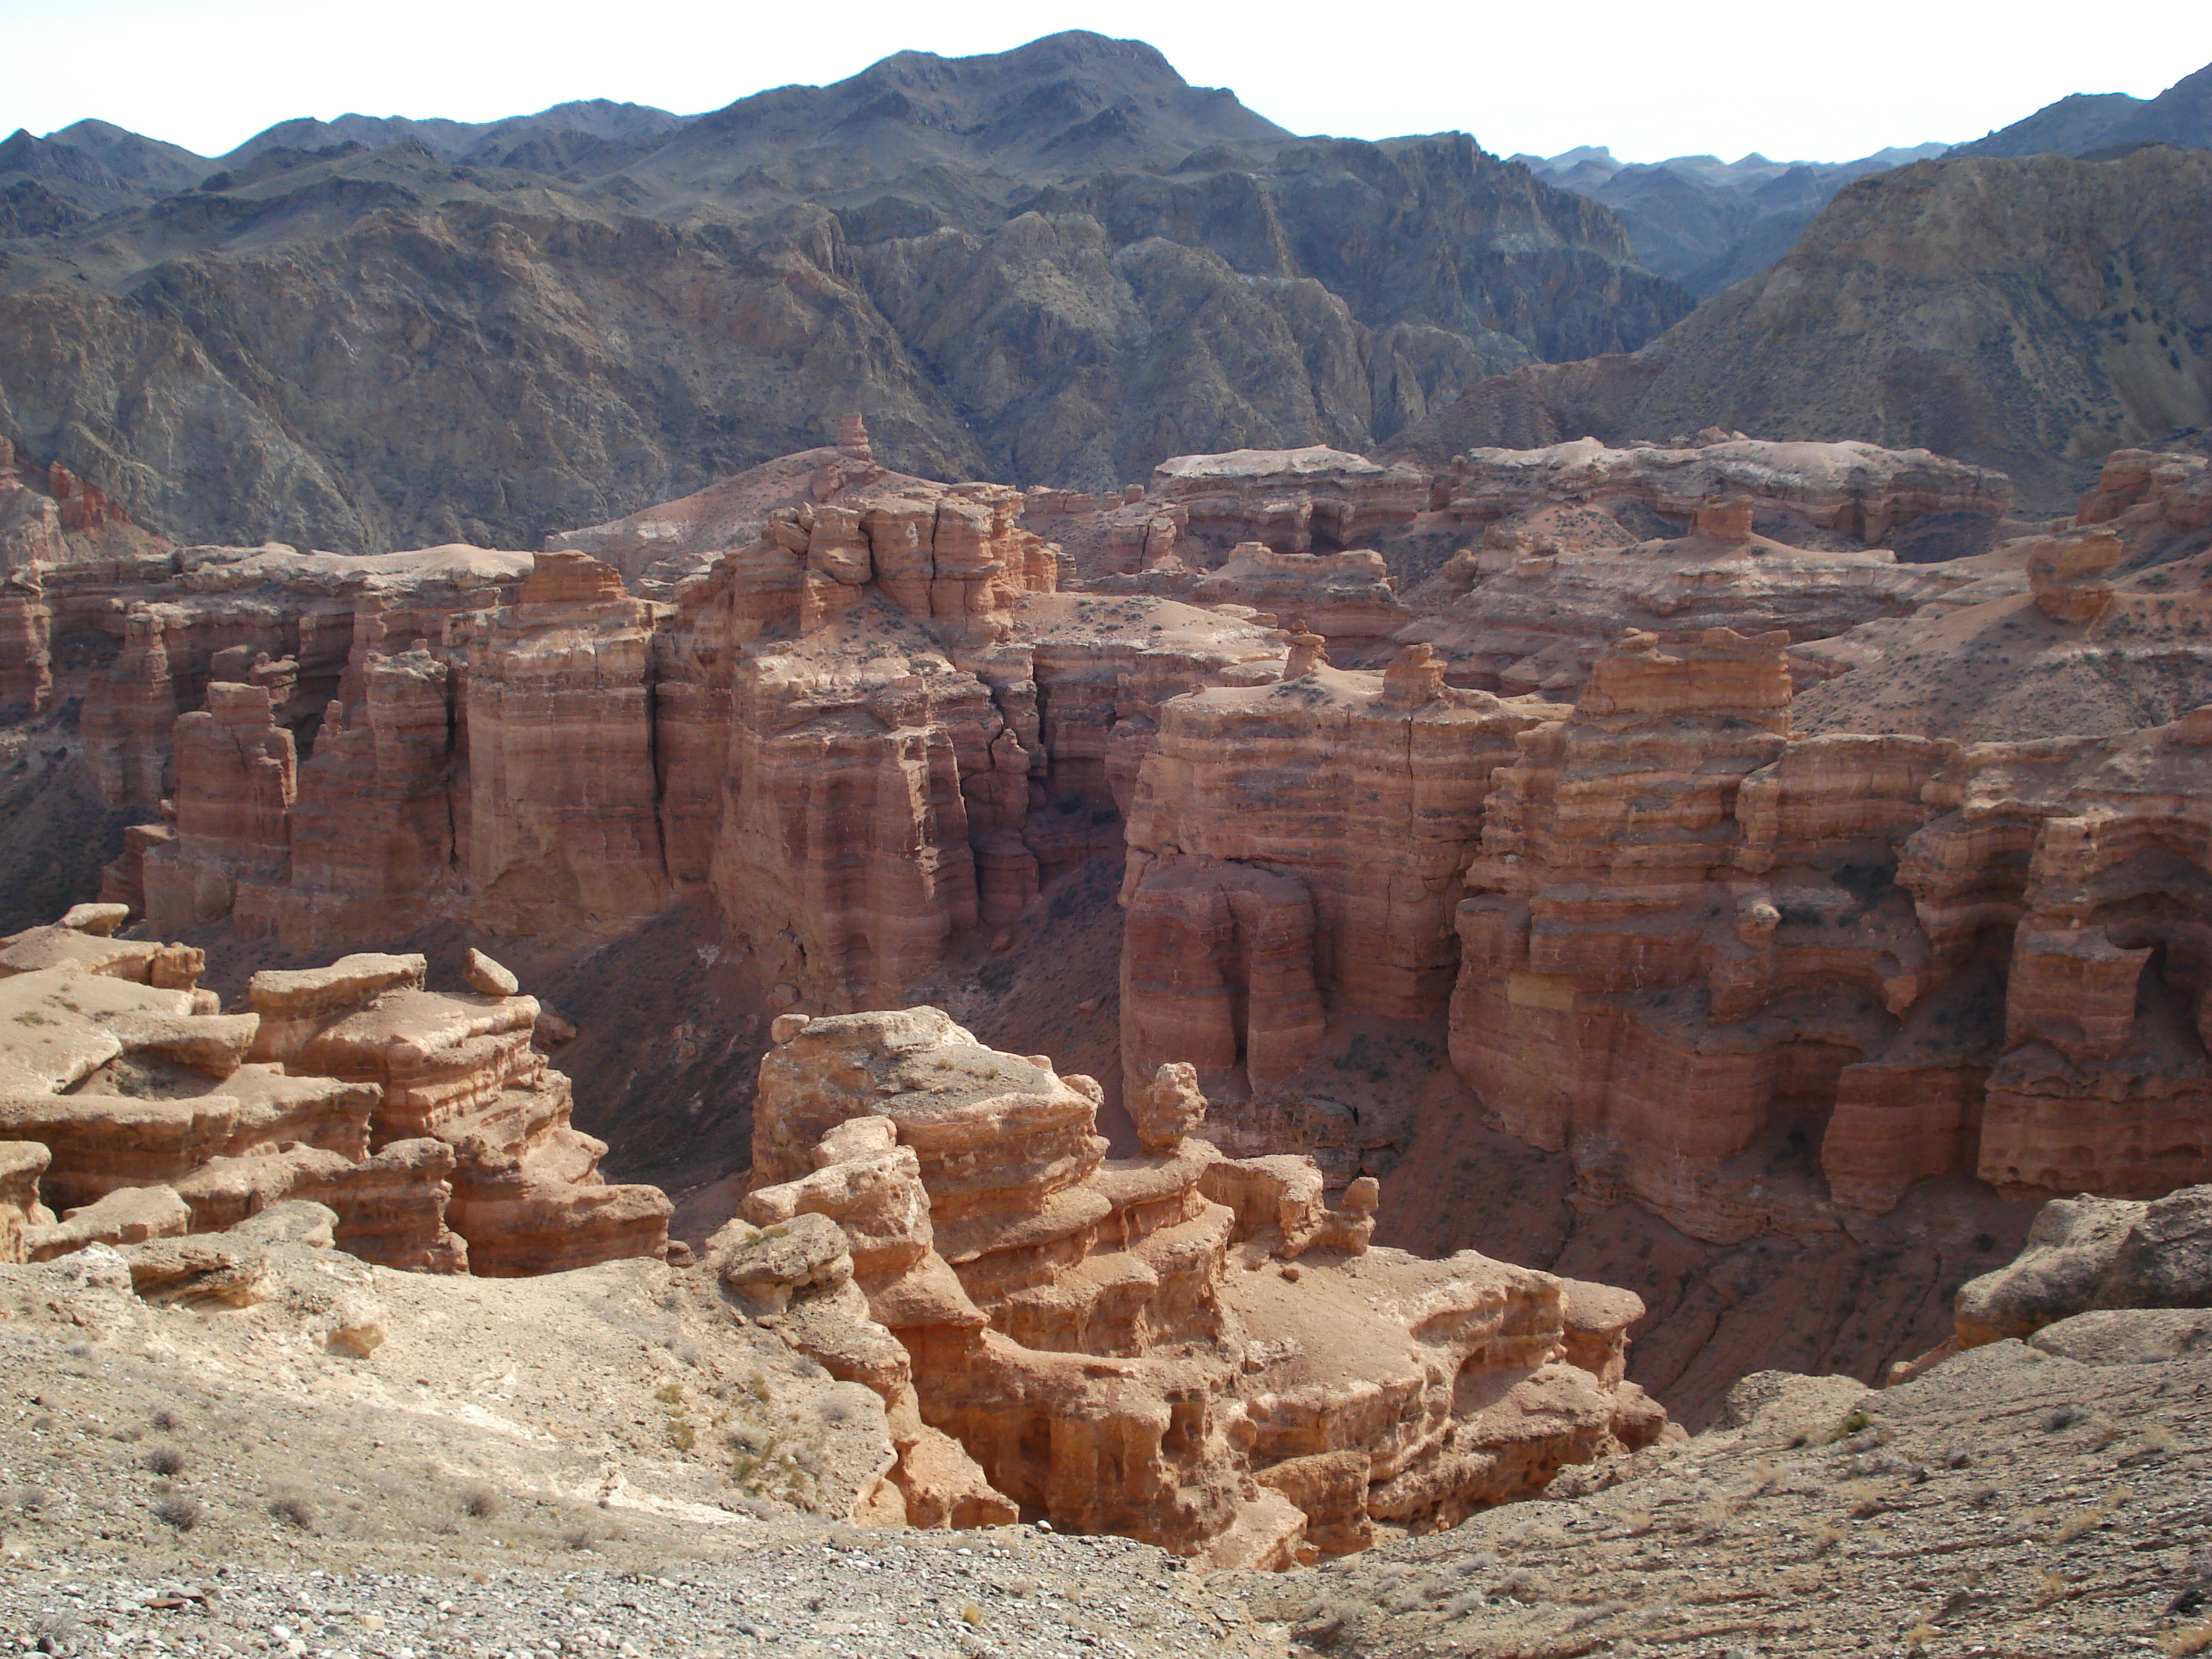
x: 1566, y: 864
x: 2032, y: 1497
x: 1061, y: 263
x: 427, y: 1124
x: 1903, y: 318
x: 1178, y: 1346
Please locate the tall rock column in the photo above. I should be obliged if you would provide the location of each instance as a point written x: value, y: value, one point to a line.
x: 374, y: 853
x: 237, y: 773
x: 1301, y: 839
x: 563, y: 826
x: 130, y: 714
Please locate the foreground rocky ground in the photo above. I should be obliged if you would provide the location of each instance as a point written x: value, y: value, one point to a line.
x: 2010, y: 1502
x: 212, y: 1480
x: 778, y: 1589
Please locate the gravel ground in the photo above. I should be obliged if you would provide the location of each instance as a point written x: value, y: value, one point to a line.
x: 1014, y: 1592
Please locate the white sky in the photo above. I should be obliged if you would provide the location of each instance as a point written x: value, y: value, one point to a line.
x: 1650, y: 79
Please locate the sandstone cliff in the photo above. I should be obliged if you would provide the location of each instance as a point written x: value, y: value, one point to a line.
x: 868, y: 727
x: 1179, y: 1346
x: 425, y: 1121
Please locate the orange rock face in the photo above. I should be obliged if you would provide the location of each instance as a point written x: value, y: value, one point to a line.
x: 1178, y: 1346
x: 873, y: 725
x: 1293, y: 501
x: 425, y: 1120
x: 1742, y: 976
x: 1858, y: 490
x: 2084, y: 856
x: 1296, y: 842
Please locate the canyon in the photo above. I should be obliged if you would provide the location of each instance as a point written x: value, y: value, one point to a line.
x: 1478, y: 901
x: 1646, y: 832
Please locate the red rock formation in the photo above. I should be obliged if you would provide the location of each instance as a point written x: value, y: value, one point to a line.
x: 1550, y: 590
x: 1683, y: 941
x: 1858, y: 490
x: 2149, y: 500
x: 130, y: 716
x: 26, y: 679
x: 1177, y: 1346
x: 2063, y: 572
x: 373, y: 831
x: 843, y: 732
x: 1299, y: 842
x: 1343, y: 595
x: 562, y: 831
x: 1296, y: 501
x: 425, y: 1121
x: 2079, y: 863
x: 237, y: 776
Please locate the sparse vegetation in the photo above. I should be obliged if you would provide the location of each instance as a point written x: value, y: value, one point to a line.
x: 166, y: 1460
x: 1854, y: 1424
x: 479, y: 1502
x: 294, y: 1508
x: 180, y: 1511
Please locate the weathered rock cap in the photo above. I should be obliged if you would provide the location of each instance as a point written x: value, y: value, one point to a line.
x: 2087, y: 1254
x: 102, y: 920
x: 313, y: 992
x: 764, y: 1267
x: 1170, y: 1109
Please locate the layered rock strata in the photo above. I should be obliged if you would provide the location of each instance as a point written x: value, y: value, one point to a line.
x: 134, y: 1109
x: 1300, y: 844
x: 873, y: 726
x: 1691, y: 934
x: 1180, y: 1346
x: 1314, y: 500
x: 1742, y: 975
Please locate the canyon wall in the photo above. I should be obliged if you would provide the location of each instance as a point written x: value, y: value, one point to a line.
x: 1573, y: 824
x: 1754, y: 978
x: 871, y: 724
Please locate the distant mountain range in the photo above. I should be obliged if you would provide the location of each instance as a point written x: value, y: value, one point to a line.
x: 1056, y: 265
x: 1061, y: 263
x: 1709, y: 223
x: 1706, y: 222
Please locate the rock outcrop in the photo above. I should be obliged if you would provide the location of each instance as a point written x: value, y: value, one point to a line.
x: 134, y: 1109
x: 1740, y: 974
x: 1299, y: 844
x: 2101, y: 1281
x: 1180, y: 1346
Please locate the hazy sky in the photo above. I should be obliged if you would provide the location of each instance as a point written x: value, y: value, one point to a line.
x: 1797, y: 82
